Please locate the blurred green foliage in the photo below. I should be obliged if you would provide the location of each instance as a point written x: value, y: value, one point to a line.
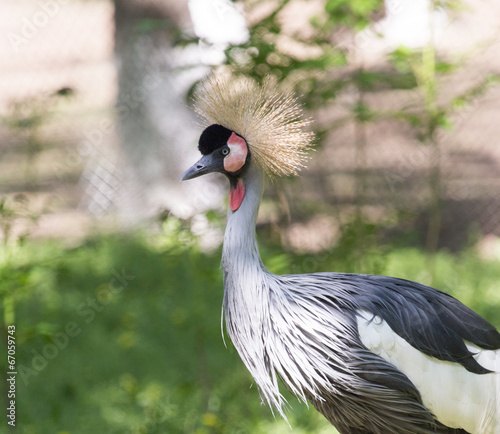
x: 123, y: 335
x: 352, y: 13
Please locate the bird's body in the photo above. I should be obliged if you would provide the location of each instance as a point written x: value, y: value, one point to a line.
x: 374, y: 354
x: 327, y: 336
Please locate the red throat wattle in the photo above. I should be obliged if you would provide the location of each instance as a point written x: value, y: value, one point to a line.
x: 236, y: 195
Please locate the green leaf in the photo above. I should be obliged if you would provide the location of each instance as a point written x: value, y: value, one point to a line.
x: 443, y: 67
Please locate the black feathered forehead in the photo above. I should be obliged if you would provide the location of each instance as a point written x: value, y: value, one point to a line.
x: 213, y: 138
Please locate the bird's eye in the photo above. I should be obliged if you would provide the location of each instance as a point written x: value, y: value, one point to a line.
x: 224, y: 152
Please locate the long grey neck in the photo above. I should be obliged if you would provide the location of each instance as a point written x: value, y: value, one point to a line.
x: 240, y: 243
x: 247, y: 290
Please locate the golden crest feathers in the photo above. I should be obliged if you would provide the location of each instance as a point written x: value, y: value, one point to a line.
x: 269, y: 121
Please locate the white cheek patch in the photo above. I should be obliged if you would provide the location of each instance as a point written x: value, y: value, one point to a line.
x: 237, y: 155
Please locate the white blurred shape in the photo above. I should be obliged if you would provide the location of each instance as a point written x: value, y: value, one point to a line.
x: 218, y: 22
x: 409, y: 23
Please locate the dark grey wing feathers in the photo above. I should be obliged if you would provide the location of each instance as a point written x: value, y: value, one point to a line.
x: 378, y: 397
x: 470, y: 325
x: 428, y: 319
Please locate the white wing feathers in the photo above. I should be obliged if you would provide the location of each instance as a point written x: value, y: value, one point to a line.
x: 457, y: 398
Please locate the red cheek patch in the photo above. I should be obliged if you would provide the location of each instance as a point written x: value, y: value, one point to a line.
x: 238, y: 154
x: 236, y: 195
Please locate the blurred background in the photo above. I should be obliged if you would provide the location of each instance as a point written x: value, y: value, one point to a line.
x: 109, y: 267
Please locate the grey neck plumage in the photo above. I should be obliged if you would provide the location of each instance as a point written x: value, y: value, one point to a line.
x: 240, y: 243
x: 246, y: 289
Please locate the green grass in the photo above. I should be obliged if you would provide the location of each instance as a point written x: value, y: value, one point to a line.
x: 123, y: 335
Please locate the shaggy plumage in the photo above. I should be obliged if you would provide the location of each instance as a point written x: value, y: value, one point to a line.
x: 373, y: 354
x: 313, y: 332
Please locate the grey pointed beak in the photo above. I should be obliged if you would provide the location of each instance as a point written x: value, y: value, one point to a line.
x: 206, y: 164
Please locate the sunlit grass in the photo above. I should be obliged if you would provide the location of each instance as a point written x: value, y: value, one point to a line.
x: 122, y: 334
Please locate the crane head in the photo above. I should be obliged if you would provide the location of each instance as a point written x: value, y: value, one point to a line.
x: 226, y: 152
x: 244, y: 119
x: 269, y: 121
x: 223, y: 151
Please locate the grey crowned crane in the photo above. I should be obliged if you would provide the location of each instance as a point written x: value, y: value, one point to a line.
x: 373, y: 354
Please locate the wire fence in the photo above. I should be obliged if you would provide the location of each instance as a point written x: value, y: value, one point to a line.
x: 58, y: 86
